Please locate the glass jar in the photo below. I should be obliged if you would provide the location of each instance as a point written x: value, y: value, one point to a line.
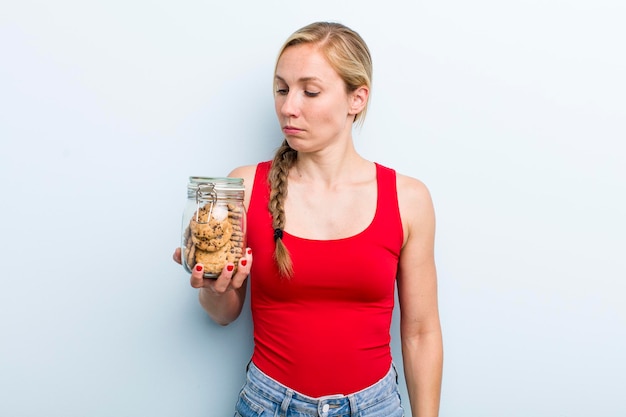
x: 214, y: 224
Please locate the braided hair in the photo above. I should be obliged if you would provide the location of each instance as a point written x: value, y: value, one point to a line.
x: 349, y: 56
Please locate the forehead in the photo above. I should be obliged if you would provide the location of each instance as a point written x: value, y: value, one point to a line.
x: 304, y: 62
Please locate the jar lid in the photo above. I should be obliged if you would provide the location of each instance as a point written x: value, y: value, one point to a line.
x: 218, y: 182
x: 224, y: 187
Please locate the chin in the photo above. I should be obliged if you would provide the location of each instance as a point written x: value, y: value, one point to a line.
x: 295, y: 143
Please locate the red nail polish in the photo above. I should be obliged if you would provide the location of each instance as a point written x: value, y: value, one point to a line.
x: 198, y: 268
x: 230, y: 268
x: 244, y: 262
x: 249, y: 251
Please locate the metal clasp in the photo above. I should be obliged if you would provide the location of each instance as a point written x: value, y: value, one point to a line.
x: 205, y: 191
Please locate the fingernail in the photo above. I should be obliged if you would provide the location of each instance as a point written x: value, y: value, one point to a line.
x: 198, y: 268
x: 249, y: 251
x: 244, y: 262
x: 230, y: 268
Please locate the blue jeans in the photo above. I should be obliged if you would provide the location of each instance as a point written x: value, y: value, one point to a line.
x: 262, y: 396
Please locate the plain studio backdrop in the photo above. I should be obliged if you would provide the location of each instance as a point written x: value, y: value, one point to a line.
x: 512, y: 112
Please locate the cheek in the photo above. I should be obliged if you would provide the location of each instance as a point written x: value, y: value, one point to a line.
x: 333, y: 112
x: 328, y: 108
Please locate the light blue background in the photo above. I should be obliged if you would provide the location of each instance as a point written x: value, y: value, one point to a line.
x: 512, y: 112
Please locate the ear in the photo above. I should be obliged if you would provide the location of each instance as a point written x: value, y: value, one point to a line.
x: 358, y: 100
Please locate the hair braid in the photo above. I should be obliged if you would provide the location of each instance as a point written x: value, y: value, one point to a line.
x: 279, y: 172
x: 349, y: 56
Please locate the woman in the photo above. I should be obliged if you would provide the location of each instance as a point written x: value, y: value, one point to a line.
x: 331, y: 234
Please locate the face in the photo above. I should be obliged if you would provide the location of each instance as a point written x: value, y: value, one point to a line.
x: 313, y: 107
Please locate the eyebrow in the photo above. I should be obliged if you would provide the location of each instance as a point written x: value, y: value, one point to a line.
x: 302, y: 79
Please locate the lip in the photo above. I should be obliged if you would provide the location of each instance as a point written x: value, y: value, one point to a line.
x: 291, y: 130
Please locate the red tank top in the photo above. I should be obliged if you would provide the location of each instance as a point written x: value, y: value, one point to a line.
x: 326, y: 330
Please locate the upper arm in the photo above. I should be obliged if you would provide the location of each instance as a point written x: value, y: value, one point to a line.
x: 417, y: 276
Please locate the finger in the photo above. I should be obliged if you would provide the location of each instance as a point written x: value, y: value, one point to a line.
x: 197, y: 276
x: 243, y: 269
x: 177, y: 256
x: 222, y: 283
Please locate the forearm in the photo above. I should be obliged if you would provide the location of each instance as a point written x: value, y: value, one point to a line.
x: 423, y: 364
x: 222, y: 308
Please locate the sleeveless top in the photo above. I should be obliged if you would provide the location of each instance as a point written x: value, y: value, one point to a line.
x: 325, y: 330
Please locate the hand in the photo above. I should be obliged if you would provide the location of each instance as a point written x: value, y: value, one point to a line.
x: 177, y: 256
x: 228, y: 278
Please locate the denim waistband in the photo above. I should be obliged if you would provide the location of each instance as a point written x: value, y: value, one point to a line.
x: 288, y: 398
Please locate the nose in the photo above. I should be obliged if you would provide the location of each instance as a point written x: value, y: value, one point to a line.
x: 288, y: 105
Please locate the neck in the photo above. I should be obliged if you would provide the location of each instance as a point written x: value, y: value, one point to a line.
x: 329, y: 167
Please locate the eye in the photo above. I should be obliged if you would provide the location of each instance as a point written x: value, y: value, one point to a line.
x: 282, y: 91
x: 310, y: 94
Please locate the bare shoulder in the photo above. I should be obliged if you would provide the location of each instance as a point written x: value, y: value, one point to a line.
x: 412, y: 192
x: 246, y: 172
x: 416, y: 206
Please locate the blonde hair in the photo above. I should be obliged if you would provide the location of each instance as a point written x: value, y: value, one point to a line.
x: 349, y: 56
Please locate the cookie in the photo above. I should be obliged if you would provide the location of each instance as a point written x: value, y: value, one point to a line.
x: 212, y: 238
x: 235, y: 217
x: 212, y: 234
x: 191, y: 255
x: 237, y: 237
x: 215, y: 261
